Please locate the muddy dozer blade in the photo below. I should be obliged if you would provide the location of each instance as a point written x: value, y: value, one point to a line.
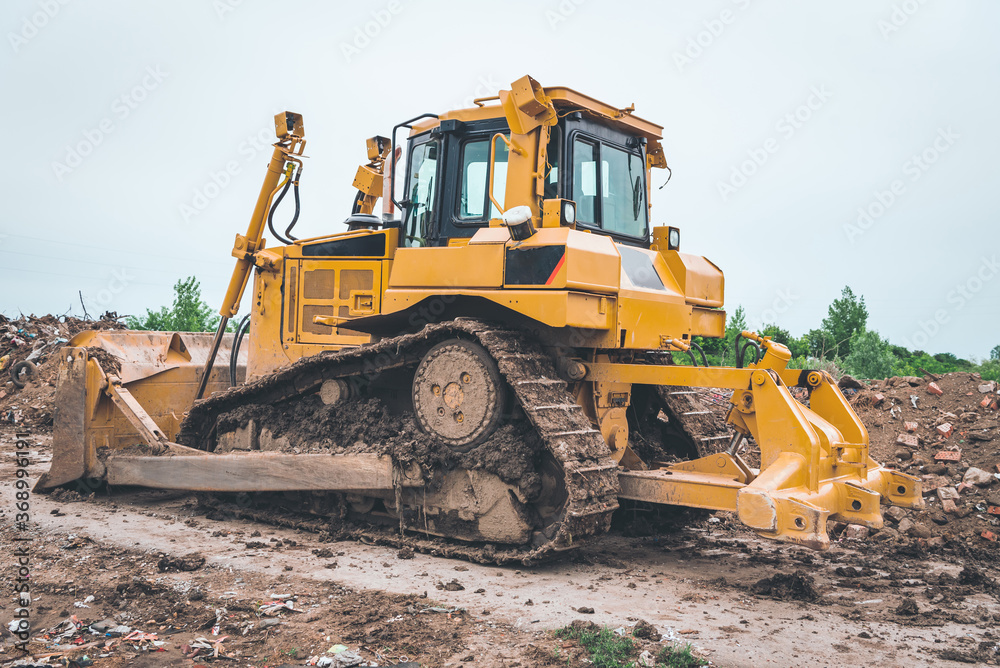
x: 161, y: 370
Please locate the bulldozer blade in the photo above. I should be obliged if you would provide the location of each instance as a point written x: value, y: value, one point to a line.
x: 68, y: 459
x: 120, y: 388
x: 262, y: 472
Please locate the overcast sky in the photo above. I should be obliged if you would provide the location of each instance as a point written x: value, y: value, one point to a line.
x: 813, y: 145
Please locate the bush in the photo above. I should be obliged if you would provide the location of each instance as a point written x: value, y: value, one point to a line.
x: 817, y: 363
x: 870, y: 357
x: 990, y: 370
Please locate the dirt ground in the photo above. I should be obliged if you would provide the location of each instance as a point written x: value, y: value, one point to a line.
x: 740, y: 600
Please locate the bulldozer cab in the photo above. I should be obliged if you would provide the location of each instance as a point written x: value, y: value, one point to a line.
x: 448, y: 179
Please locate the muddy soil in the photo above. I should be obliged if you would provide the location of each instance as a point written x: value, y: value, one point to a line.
x: 307, y: 425
x: 740, y: 600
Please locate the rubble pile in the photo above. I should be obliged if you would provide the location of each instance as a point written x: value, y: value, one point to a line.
x: 945, y: 431
x: 28, y: 367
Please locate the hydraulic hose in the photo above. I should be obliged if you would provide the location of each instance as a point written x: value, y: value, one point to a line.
x: 234, y: 354
x: 295, y: 218
x: 704, y: 360
x: 741, y: 351
x: 274, y: 207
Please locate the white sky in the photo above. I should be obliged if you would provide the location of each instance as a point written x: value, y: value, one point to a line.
x: 111, y: 225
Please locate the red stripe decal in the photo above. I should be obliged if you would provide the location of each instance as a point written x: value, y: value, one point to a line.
x: 555, y: 271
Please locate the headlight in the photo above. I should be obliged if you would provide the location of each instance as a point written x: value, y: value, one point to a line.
x: 569, y: 213
x: 673, y: 239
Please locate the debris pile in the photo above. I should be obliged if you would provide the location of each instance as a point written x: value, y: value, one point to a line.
x: 945, y: 431
x: 28, y: 367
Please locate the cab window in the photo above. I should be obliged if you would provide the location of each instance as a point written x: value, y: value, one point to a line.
x: 420, y: 185
x: 609, y: 188
x: 474, y: 201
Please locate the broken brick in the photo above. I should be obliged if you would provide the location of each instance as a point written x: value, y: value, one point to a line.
x: 985, y: 403
x: 932, y: 388
x: 878, y: 399
x: 989, y: 535
x: 947, y: 493
x: 993, y: 510
x: 931, y: 482
x: 945, y: 429
x: 911, y: 426
x: 907, y: 439
x: 856, y: 532
x: 949, y: 506
x: 963, y: 486
x: 948, y: 456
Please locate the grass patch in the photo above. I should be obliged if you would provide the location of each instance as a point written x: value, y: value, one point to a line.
x: 609, y: 650
x: 606, y: 649
x: 677, y: 656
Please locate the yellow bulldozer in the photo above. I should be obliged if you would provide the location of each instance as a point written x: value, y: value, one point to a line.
x: 488, y: 359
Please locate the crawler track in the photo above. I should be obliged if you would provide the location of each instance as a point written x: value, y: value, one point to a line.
x: 589, y: 476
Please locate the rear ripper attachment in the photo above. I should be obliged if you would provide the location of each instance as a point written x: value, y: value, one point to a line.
x: 815, y: 464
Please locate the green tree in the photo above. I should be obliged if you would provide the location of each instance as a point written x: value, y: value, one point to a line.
x: 776, y: 333
x: 995, y: 353
x: 737, y: 323
x: 871, y: 356
x: 188, y: 313
x: 721, y: 351
x: 798, y: 347
x: 820, y: 344
x: 845, y: 317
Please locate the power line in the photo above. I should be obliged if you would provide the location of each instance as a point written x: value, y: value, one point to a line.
x: 99, y: 264
x: 52, y: 273
x: 114, y: 250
